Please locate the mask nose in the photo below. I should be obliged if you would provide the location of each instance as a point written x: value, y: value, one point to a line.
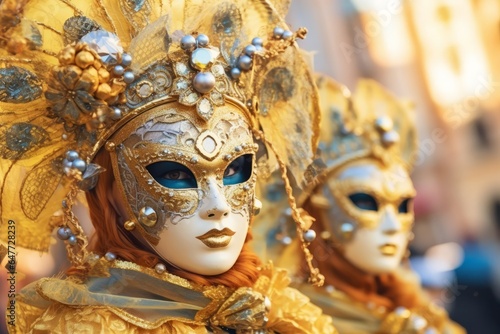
x: 215, y: 205
x: 390, y: 223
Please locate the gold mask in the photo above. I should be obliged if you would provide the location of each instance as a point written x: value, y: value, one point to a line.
x: 167, y: 133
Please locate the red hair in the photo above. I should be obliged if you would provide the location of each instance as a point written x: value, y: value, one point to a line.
x: 109, y: 237
x: 389, y: 290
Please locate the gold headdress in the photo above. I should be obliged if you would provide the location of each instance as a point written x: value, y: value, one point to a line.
x: 67, y: 85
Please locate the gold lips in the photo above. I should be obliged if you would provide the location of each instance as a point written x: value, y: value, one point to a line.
x: 388, y: 249
x: 217, y: 238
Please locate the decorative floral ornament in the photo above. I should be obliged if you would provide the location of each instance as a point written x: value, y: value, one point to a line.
x: 200, y: 77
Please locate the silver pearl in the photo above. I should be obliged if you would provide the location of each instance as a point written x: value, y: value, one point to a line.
x: 80, y: 165
x: 118, y: 70
x: 390, y: 138
x: 115, y: 114
x: 384, y: 123
x: 71, y: 155
x: 287, y: 34
x: 257, y: 41
x: 278, y: 32
x: 128, y: 77
x: 126, y: 59
x: 245, y: 62
x: 250, y: 50
x: 64, y: 136
x: 110, y: 256
x: 286, y: 240
x: 188, y: 43
x: 160, y: 268
x: 235, y: 73
x: 202, y: 40
x: 309, y: 235
x: 64, y: 233
x: 67, y: 163
x: 72, y: 240
x: 203, y: 82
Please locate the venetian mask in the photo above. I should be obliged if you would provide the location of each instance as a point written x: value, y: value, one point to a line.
x: 188, y: 184
x: 368, y: 210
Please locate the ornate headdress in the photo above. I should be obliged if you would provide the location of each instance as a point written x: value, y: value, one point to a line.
x: 67, y: 86
x: 371, y: 123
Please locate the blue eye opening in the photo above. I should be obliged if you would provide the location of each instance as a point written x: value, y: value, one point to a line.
x: 172, y: 175
x: 364, y: 201
x: 238, y: 171
x: 404, y: 207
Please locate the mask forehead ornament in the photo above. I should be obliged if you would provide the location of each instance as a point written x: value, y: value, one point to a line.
x: 92, y: 83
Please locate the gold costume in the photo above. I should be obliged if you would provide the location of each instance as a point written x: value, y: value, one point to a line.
x: 138, y: 300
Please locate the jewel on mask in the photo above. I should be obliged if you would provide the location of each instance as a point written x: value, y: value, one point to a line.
x: 347, y: 229
x: 390, y: 138
x: 128, y: 77
x: 64, y: 233
x: 72, y: 240
x: 160, y: 268
x: 202, y: 58
x: 72, y: 164
x: 277, y: 32
x: 309, y: 235
x: 383, y: 124
x: 245, y: 62
x: 202, y: 40
x: 106, y: 44
x: 287, y: 34
x: 126, y: 59
x: 204, y: 82
x: 129, y: 225
x: 115, y: 114
x: 188, y: 43
x: 148, y: 216
x: 110, y: 256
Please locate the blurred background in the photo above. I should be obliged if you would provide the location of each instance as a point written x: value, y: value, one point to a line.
x: 445, y: 56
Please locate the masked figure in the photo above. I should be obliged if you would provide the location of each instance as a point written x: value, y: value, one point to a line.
x: 361, y: 195
x: 164, y: 113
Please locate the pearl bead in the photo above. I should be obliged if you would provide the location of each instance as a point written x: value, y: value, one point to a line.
x: 202, y: 40
x: 64, y: 233
x: 188, y: 43
x: 286, y: 240
x: 118, y: 70
x: 278, y: 32
x: 309, y: 235
x: 115, y: 114
x: 126, y: 59
x: 245, y: 62
x: 110, y: 256
x: 71, y: 155
x: 128, y: 77
x: 257, y: 41
x: 160, y: 268
x: 72, y: 240
x: 390, y: 138
x: 235, y: 73
x: 203, y: 82
x: 287, y: 34
x: 250, y: 50
x: 80, y: 165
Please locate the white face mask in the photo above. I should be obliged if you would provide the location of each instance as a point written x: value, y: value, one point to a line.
x: 376, y: 200
x: 191, y: 187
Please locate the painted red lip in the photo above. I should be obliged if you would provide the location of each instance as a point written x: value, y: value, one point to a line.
x: 217, y: 238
